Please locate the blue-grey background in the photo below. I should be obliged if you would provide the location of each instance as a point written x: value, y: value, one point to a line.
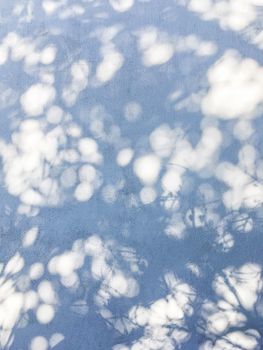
x: 131, y: 174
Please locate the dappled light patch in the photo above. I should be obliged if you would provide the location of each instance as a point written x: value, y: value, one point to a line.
x: 51, y: 6
x: 124, y: 157
x: 234, y: 79
x: 45, y: 313
x: 238, y: 290
x: 19, y: 48
x: 176, y: 227
x: 17, y: 299
x: 193, y: 43
x: 229, y: 14
x: 48, y: 55
x: 36, y: 271
x: 112, y: 61
x: 37, y: 98
x: 148, y: 195
x: 114, y: 282
x: 147, y: 168
x: 35, y: 151
x: 56, y: 339
x: 164, y: 322
x: 247, y: 340
x: 54, y: 114
x: 30, y: 237
x: 39, y: 343
x: 79, y: 73
x: 244, y: 190
x: 162, y: 140
x: 156, y: 47
x: 121, y: 5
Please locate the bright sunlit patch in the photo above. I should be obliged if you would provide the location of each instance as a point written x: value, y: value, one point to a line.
x: 30, y: 300
x: 89, y: 150
x: 162, y: 140
x: 87, y: 173
x: 147, y: 168
x: 121, y: 5
x: 124, y: 157
x: 230, y: 14
x: 156, y: 320
x: 243, y: 223
x: 36, y: 271
x: 50, y: 6
x: 171, y: 181
x: 30, y: 237
x: 87, y: 146
x: 83, y: 191
x: 243, y: 130
x: 3, y: 54
x: 39, y: 343
x: 157, y: 54
x: 237, y: 80
x: 112, y: 61
x: 46, y: 292
x: 176, y: 227
x: 31, y: 197
x: 45, y: 313
x: 157, y: 47
x: 37, y: 98
x: 55, y: 339
x: 79, y: 73
x: 248, y: 340
x: 70, y: 281
x: 15, y: 264
x: 48, y: 55
x: 66, y: 263
x: 148, y: 195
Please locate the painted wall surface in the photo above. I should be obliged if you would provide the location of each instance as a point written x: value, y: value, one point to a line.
x: 131, y: 182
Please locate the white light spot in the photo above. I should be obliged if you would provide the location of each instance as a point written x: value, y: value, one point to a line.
x: 54, y: 114
x: 83, y: 192
x: 37, y: 98
x: 237, y: 80
x: 87, y: 146
x: 48, y: 55
x: 148, y: 195
x: 39, y: 343
x: 45, y: 313
x: 55, y: 339
x: 158, y: 53
x: 15, y: 264
x: 87, y: 173
x: 3, y: 54
x: 46, y: 292
x: 124, y: 157
x: 121, y: 5
x: 36, y: 271
x: 30, y: 237
x: 171, y: 181
x: 147, y: 168
x: 111, y: 63
x: 30, y: 300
